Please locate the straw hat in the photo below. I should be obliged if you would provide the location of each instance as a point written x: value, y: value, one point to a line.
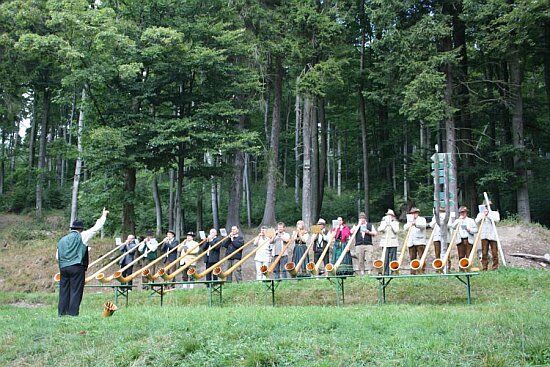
x: 321, y: 221
x: 362, y: 215
x: 414, y: 210
x: 390, y: 212
x: 463, y: 209
x: 192, y: 234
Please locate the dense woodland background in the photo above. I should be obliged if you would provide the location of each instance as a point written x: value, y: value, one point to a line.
x: 188, y: 114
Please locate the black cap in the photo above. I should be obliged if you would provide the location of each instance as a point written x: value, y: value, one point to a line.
x: 171, y: 231
x: 77, y: 224
x: 148, y: 232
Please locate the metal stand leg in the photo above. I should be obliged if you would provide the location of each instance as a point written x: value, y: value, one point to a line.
x: 161, y: 295
x: 215, y: 289
x: 468, y: 287
x: 270, y: 285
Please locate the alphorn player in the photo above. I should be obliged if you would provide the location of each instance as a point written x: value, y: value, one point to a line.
x: 72, y: 255
x: 417, y: 239
x: 188, y: 244
x: 263, y: 255
x: 437, y: 238
x: 342, y: 235
x: 300, y: 246
x: 363, y: 242
x: 212, y: 253
x: 233, y: 243
x: 320, y: 243
x: 466, y: 229
x: 128, y: 245
x: 278, y: 242
x: 168, y: 244
x: 149, y: 247
x: 390, y: 227
x: 488, y: 235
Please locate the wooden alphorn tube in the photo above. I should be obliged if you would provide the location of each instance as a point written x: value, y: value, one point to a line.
x: 439, y: 264
x: 332, y: 269
x: 269, y: 270
x: 224, y: 274
x: 396, y: 264
x: 152, y: 277
x: 313, y: 268
x: 181, y: 269
x: 417, y: 264
x: 193, y: 272
x: 292, y: 268
x: 467, y: 262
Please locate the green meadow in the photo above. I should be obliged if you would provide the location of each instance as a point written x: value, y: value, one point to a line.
x: 426, y: 322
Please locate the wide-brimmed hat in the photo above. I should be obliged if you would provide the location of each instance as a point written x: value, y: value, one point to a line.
x: 321, y: 221
x: 390, y: 212
x: 463, y: 209
x: 148, y: 232
x: 362, y: 215
x: 414, y: 210
x: 171, y: 231
x: 192, y: 234
x: 77, y: 224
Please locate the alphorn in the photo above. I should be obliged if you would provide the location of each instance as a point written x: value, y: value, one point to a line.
x: 417, y: 264
x: 269, y: 270
x: 313, y: 268
x: 467, y: 262
x: 152, y: 277
x: 181, y: 269
x: 103, y: 279
x: 57, y: 276
x: 118, y: 275
x: 224, y: 274
x: 292, y: 268
x: 378, y: 264
x: 396, y: 264
x: 438, y: 264
x: 332, y: 269
x: 193, y: 272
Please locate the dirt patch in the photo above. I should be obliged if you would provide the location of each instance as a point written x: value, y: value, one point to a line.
x: 23, y: 304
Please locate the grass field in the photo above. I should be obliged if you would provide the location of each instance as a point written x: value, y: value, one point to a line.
x: 426, y: 323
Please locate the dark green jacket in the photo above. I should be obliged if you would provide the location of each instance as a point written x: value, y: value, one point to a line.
x: 71, y: 250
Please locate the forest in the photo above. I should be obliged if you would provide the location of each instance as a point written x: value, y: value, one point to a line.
x: 190, y: 114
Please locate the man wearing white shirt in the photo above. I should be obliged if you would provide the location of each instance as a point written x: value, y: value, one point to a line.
x: 72, y: 254
x: 488, y: 236
x: 417, y: 238
x: 466, y: 230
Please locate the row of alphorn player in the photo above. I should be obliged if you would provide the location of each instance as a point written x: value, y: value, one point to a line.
x: 271, y: 249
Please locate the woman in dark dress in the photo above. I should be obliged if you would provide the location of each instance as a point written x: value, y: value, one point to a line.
x: 300, y: 246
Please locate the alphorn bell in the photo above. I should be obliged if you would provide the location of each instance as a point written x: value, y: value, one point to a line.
x: 292, y: 268
x: 224, y: 274
x: 193, y: 272
x: 57, y: 276
x: 269, y: 270
x: 152, y: 277
x: 313, y: 268
x: 332, y: 269
x: 103, y: 279
x: 467, y: 262
x: 396, y: 264
x: 181, y: 269
x: 438, y: 264
x: 417, y: 264
x: 378, y: 264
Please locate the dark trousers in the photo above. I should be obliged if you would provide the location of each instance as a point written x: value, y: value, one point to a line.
x: 391, y: 255
x: 464, y: 248
x: 127, y: 272
x: 280, y: 271
x: 71, y: 288
x: 317, y: 256
x: 237, y: 272
x: 485, y: 244
x: 416, y: 252
x: 209, y: 276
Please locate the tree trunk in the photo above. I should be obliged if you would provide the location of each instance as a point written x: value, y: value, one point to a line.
x: 298, y: 109
x: 339, y: 173
x: 158, y: 207
x: 179, y: 197
x: 32, y: 135
x: 236, y: 191
x: 546, y: 56
x: 286, y: 142
x: 362, y: 109
x: 314, y: 161
x: 2, y: 165
x: 214, y: 202
x: 273, y: 155
x: 78, y: 165
x: 246, y: 183
x: 42, y: 151
x: 199, y: 212
x: 171, y: 199
x: 323, y: 149
x: 522, y: 193
x: 306, y: 179
x: 128, y: 212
